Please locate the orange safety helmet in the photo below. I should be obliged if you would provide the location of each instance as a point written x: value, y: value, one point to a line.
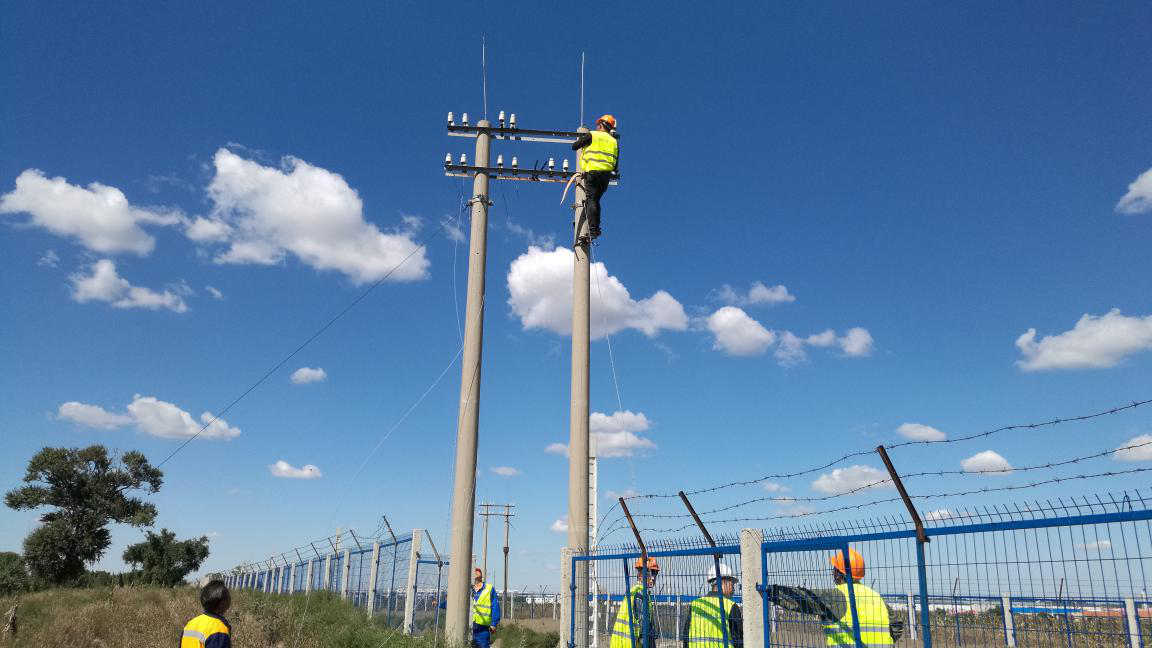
x: 854, y: 557
x: 653, y: 566
x: 609, y: 120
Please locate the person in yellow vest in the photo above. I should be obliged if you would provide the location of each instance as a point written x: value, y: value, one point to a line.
x: 877, y: 625
x: 211, y: 629
x: 485, y: 611
x: 599, y: 158
x: 629, y: 630
x: 703, y: 626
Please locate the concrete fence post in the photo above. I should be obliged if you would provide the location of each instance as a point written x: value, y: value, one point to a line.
x: 751, y: 569
x: 345, y: 572
x: 565, y: 596
x: 1134, y: 638
x: 328, y: 571
x: 375, y: 571
x: 308, y: 576
x: 1009, y: 624
x: 555, y: 600
x: 911, y: 616
x: 410, y: 590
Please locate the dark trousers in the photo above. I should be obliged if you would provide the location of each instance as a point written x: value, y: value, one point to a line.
x: 481, y: 636
x: 595, y: 184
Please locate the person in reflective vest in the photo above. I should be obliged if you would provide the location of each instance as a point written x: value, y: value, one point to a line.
x: 599, y: 159
x: 629, y: 630
x: 485, y: 611
x: 704, y: 626
x: 211, y: 629
x: 833, y: 606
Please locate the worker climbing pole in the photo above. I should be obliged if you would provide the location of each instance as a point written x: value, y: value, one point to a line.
x: 598, y: 162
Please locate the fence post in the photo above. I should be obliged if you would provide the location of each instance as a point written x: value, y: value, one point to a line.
x: 345, y: 571
x: 751, y: 566
x: 372, y: 583
x: 308, y: 576
x: 566, y: 587
x: 1134, y: 638
x: 1009, y: 624
x: 925, y: 607
x: 410, y: 592
x: 328, y: 571
x: 911, y: 616
x: 555, y: 600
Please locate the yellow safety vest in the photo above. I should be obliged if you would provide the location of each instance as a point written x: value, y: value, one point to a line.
x: 197, y: 631
x: 872, y: 615
x: 482, y: 607
x: 626, y: 629
x: 707, y: 627
x: 601, y: 154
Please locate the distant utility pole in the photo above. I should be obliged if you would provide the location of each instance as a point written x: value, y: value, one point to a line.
x: 507, y: 525
x: 457, y: 626
x: 485, y: 513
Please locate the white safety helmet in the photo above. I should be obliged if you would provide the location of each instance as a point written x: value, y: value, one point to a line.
x: 725, y: 572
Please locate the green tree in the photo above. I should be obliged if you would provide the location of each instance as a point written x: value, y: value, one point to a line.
x: 13, y: 573
x: 163, y: 560
x: 87, y: 490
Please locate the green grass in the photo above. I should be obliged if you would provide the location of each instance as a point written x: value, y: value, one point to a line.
x: 151, y: 617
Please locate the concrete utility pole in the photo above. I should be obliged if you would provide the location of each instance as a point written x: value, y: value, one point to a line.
x: 456, y: 625
x: 487, y: 512
x: 507, y: 525
x: 578, y: 451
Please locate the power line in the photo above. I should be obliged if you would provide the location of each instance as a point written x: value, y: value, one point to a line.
x: 302, y: 345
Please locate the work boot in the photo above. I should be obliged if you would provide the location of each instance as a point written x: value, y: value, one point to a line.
x: 595, y: 232
x: 583, y: 240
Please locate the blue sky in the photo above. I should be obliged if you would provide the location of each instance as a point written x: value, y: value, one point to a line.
x: 926, y: 183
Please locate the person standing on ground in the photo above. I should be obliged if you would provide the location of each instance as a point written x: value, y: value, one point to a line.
x: 211, y: 629
x: 599, y: 158
x: 485, y: 611
x: 630, y: 629
x: 833, y: 606
x: 703, y: 626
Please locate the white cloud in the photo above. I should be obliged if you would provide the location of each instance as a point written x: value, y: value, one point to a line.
x: 1099, y: 545
x: 773, y: 487
x: 453, y: 231
x: 757, y: 294
x: 98, y: 217
x: 214, y: 292
x: 505, y: 471
x: 540, y: 284
x: 557, y: 448
x: 92, y: 416
x: 988, y: 462
x: 1138, y: 448
x: 920, y: 432
x: 843, y: 480
x: 151, y: 416
x: 559, y: 526
x: 857, y: 342
x: 738, y: 334
x: 1095, y: 342
x: 616, y: 433
x: 104, y: 284
x: 284, y: 469
x: 615, y: 495
x: 1138, y: 200
x: 308, y: 212
x: 208, y: 230
x: 308, y: 375
x: 938, y: 514
x: 49, y: 260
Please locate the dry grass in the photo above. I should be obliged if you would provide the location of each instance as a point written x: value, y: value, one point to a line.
x: 154, y: 617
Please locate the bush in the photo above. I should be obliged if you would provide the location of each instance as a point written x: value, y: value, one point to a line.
x: 13, y: 574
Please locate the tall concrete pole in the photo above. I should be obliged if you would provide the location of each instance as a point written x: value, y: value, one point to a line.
x: 578, y: 420
x: 457, y: 626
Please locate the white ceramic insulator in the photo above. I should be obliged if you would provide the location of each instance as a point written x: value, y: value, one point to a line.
x: 463, y: 158
x: 499, y: 160
x: 465, y: 119
x: 515, y: 162
x: 451, y: 119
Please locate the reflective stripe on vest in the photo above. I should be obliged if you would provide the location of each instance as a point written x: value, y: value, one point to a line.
x: 601, y: 154
x: 625, y: 629
x: 872, y: 615
x: 482, y: 607
x: 707, y: 626
x: 198, y: 630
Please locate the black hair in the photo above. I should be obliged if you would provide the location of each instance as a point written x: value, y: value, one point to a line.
x: 214, y: 595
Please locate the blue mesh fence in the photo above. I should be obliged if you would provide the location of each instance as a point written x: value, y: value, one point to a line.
x: 1061, y: 574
